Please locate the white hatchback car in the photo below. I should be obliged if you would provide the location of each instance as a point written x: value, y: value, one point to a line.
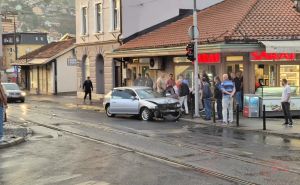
x: 13, y: 92
x: 141, y: 101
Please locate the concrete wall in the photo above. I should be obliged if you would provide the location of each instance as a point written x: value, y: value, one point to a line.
x: 66, y: 75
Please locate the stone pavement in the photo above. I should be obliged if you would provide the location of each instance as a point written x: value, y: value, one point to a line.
x: 13, y: 134
x: 274, y: 125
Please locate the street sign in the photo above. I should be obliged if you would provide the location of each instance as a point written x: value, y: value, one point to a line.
x: 193, y: 32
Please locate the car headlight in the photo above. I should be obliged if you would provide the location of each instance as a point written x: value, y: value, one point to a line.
x: 23, y: 93
x: 178, y: 105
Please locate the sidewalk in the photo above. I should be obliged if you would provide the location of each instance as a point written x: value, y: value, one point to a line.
x: 274, y: 125
x: 13, y: 135
x: 69, y: 101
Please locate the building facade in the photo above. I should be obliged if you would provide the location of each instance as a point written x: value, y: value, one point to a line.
x: 102, y: 26
x: 25, y: 43
x: 51, y: 69
x: 253, y: 36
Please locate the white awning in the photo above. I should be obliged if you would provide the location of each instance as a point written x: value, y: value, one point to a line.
x: 292, y: 46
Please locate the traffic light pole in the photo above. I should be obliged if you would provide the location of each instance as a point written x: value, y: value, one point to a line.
x: 196, y: 69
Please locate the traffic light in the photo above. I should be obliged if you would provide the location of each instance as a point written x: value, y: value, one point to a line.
x: 190, y: 52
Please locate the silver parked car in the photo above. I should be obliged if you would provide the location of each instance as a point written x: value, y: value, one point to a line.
x: 141, y: 101
x: 13, y: 92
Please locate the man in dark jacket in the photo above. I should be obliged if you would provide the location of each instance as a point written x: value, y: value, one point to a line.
x: 184, y: 91
x: 207, y: 95
x: 88, y: 88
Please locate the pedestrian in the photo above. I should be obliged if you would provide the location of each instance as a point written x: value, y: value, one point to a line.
x: 207, y: 95
x: 218, y: 97
x: 238, y: 82
x: 205, y: 75
x: 171, y: 82
x: 161, y: 84
x: 88, y: 88
x: 285, y: 103
x: 139, y: 81
x: 183, y: 91
x: 228, y: 90
x: 3, y: 105
x: 148, y: 81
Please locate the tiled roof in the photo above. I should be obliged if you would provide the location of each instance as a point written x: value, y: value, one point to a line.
x: 228, y: 20
x: 49, y: 50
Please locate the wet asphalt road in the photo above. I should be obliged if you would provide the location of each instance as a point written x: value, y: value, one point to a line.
x: 249, y: 156
x: 51, y: 157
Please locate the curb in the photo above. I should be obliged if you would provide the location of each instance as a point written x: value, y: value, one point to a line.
x: 13, y: 142
x: 267, y: 132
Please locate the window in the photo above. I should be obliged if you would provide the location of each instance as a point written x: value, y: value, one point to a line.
x: 115, y: 15
x: 42, y: 38
x: 84, y: 21
x: 120, y: 94
x: 99, y: 17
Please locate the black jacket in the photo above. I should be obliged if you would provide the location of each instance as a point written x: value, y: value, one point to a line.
x: 87, y: 86
x: 184, y: 90
x: 218, y: 92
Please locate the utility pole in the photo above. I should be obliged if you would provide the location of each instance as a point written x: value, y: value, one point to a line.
x: 196, y: 69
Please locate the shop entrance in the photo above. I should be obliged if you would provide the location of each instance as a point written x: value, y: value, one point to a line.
x: 233, y: 68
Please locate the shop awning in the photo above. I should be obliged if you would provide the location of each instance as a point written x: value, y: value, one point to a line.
x: 292, y: 46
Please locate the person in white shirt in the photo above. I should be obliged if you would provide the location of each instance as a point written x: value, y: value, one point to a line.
x: 285, y: 103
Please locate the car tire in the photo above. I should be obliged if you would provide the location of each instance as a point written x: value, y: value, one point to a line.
x: 107, y: 111
x: 146, y: 114
x: 23, y: 100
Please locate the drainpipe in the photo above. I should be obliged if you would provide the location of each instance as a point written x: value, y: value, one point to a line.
x: 119, y: 40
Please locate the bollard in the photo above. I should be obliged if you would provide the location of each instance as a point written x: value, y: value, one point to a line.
x: 214, y: 111
x: 237, y: 115
x: 264, y: 117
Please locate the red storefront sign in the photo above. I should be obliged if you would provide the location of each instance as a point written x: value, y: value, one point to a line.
x: 209, y: 58
x: 264, y: 56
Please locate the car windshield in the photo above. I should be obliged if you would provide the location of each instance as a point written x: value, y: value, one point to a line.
x: 11, y: 87
x: 148, y: 93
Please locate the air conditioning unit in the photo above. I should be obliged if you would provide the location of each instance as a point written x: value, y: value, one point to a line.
x: 156, y: 63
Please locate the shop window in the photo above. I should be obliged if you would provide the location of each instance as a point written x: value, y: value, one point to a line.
x: 291, y: 73
x: 266, y: 75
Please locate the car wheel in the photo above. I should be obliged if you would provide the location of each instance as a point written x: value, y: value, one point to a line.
x: 23, y: 100
x: 107, y: 110
x: 146, y: 114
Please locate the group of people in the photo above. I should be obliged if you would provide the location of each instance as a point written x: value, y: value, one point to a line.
x: 227, y: 92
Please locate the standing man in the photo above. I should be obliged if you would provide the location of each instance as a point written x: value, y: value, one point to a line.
x: 207, y: 94
x: 88, y: 88
x: 285, y: 103
x: 139, y: 81
x: 238, y: 82
x: 161, y: 84
x: 218, y: 96
x: 171, y: 81
x: 184, y: 91
x: 3, y: 104
x: 228, y: 90
x: 148, y: 81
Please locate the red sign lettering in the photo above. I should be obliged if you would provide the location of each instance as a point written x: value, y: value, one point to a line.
x: 209, y: 58
x: 260, y: 56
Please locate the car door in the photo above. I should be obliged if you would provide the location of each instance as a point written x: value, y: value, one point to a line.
x: 133, y: 103
x: 121, y: 102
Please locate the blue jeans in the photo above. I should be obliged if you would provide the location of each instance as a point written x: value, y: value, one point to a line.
x: 1, y: 122
x: 207, y: 107
x: 238, y: 97
x: 219, y: 108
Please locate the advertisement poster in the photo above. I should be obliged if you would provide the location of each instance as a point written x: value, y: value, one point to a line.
x: 274, y: 104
